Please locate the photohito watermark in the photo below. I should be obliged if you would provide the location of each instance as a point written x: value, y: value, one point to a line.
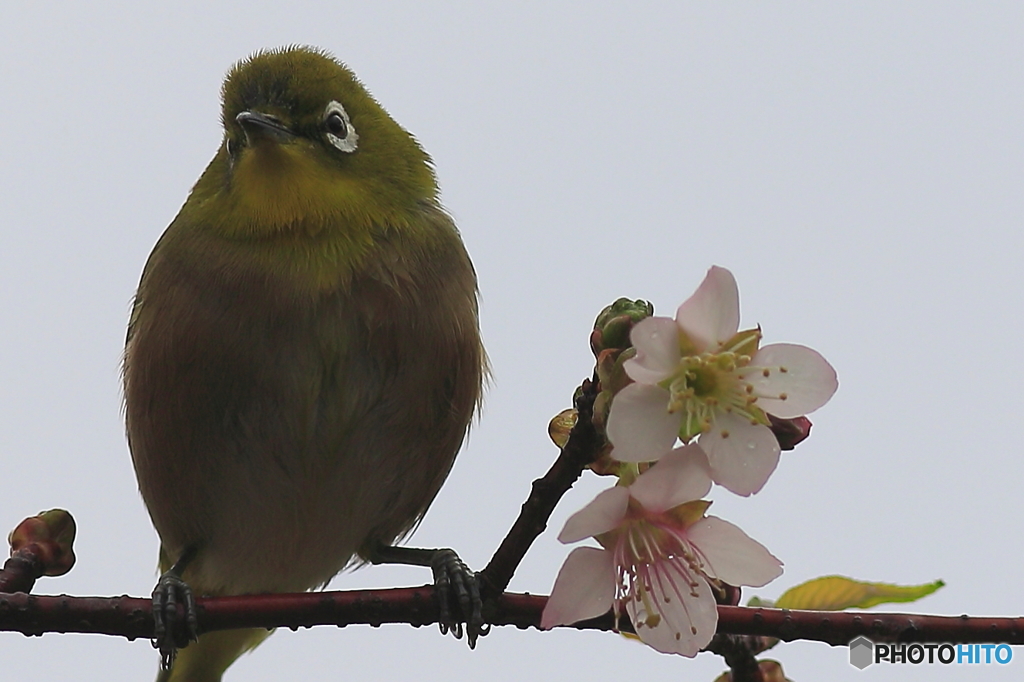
x: 864, y: 652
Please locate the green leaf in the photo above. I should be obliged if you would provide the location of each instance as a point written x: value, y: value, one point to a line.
x: 836, y: 593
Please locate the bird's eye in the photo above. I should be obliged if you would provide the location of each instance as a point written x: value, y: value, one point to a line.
x: 336, y: 124
x: 338, y: 127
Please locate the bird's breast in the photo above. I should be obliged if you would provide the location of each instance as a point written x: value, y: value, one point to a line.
x: 284, y: 427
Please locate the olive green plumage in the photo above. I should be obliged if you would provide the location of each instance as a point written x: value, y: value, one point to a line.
x: 303, y: 355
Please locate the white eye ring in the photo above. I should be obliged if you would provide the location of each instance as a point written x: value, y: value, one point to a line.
x: 346, y: 140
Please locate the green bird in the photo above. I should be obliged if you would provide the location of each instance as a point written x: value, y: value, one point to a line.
x: 303, y: 357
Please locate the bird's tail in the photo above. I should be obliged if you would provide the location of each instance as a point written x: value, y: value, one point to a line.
x: 207, y: 659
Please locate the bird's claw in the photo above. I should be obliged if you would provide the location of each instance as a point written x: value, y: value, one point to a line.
x: 168, y: 634
x: 455, y: 582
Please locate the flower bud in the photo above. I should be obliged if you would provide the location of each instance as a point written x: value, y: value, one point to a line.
x: 53, y: 533
x: 613, y: 324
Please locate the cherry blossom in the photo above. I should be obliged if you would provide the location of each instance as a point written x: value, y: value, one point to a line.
x: 697, y: 377
x: 658, y: 551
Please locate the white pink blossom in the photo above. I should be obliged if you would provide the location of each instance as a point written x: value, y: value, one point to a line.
x: 698, y: 377
x: 658, y: 551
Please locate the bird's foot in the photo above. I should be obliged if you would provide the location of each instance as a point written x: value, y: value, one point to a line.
x: 455, y: 584
x: 169, y: 633
x: 457, y: 588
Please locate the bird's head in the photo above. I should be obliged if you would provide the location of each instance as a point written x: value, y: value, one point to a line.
x: 307, y: 147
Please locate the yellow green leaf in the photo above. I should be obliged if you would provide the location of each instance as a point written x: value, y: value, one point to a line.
x: 836, y: 593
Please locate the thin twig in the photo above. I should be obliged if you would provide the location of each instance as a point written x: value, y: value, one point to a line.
x: 21, y: 571
x: 738, y: 655
x: 581, y: 449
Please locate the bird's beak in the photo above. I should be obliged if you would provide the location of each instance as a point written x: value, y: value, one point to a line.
x: 259, y: 126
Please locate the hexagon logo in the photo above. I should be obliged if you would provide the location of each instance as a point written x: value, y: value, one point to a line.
x: 862, y: 652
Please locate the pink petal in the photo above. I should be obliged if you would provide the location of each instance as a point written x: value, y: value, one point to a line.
x: 712, y: 315
x: 640, y: 426
x: 807, y: 382
x: 742, y: 455
x: 731, y: 555
x: 681, y: 613
x: 584, y: 588
x: 603, y: 513
x: 656, y: 340
x: 682, y: 475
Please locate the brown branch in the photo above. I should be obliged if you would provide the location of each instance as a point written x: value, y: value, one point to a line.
x: 839, y: 627
x: 582, y: 448
x: 131, y: 617
x: 836, y: 628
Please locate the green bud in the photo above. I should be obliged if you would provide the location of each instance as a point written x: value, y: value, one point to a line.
x: 613, y: 325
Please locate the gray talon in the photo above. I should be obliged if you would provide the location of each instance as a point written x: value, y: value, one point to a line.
x: 453, y: 577
x: 170, y: 591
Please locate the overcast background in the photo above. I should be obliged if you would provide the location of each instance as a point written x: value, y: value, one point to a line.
x: 858, y: 166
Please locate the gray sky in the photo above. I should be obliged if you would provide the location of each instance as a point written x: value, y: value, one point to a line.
x: 858, y: 166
